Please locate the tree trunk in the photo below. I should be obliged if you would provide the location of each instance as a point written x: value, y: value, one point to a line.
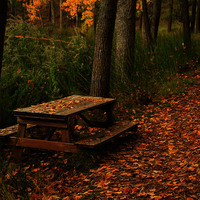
x: 193, y: 15
x: 186, y: 24
x: 155, y: 18
x: 170, y: 15
x: 125, y: 41
x: 147, y: 26
x: 198, y: 17
x: 95, y: 15
x: 53, y: 12
x: 11, y: 8
x: 49, y: 11
x: 3, y: 17
x: 40, y: 15
x: 141, y: 18
x: 61, y: 15
x: 102, y: 54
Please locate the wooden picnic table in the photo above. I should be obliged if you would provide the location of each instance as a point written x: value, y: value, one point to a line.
x: 60, y: 114
x: 63, y: 114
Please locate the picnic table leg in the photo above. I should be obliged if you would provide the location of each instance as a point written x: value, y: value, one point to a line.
x: 109, y: 114
x: 18, y: 149
x: 65, y: 135
x: 67, y: 132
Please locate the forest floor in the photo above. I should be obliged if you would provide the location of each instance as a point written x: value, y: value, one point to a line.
x: 162, y: 163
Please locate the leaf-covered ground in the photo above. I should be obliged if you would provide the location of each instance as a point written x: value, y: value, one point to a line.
x: 164, y: 163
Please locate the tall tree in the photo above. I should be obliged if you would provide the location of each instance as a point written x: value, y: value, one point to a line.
x: 61, y: 15
x: 170, y: 15
x: 186, y: 23
x: 147, y: 26
x: 155, y: 18
x: 103, y: 45
x: 3, y: 16
x: 125, y: 41
x: 53, y: 12
x: 198, y: 17
x: 194, y: 3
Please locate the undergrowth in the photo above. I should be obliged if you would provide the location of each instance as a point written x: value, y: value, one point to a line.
x: 36, y: 69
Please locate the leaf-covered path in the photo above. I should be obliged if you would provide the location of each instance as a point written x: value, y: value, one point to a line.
x: 165, y: 164
x: 162, y: 164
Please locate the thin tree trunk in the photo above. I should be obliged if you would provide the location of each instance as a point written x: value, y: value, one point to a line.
x: 3, y: 17
x: 198, y: 17
x: 61, y: 15
x: 141, y: 18
x: 40, y: 15
x: 50, y: 11
x: 186, y: 24
x: 193, y: 15
x: 155, y: 18
x: 53, y: 12
x: 102, y: 54
x: 125, y: 41
x: 77, y: 20
x: 170, y: 15
x: 147, y: 26
x: 11, y: 8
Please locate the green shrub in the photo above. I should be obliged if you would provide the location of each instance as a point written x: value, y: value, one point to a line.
x: 37, y: 70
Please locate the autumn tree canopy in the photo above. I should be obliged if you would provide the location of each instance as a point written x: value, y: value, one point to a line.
x: 33, y: 7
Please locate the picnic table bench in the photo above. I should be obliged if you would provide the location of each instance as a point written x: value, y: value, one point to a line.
x: 63, y: 114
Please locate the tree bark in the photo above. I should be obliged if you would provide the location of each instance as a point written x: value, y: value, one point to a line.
x: 53, y: 12
x: 170, y: 15
x: 193, y: 15
x: 147, y: 26
x: 125, y: 41
x: 50, y: 11
x: 198, y: 17
x: 61, y: 15
x: 95, y: 15
x: 155, y: 18
x: 186, y: 24
x: 141, y: 19
x: 11, y: 8
x: 102, y: 54
x: 3, y: 17
x: 40, y: 15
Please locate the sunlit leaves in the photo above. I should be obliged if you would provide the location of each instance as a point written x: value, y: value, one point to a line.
x: 85, y: 6
x: 70, y: 6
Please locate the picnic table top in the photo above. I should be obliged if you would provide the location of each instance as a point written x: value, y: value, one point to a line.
x: 64, y: 107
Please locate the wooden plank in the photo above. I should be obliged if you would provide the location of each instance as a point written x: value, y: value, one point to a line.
x: 65, y: 135
x: 43, y: 144
x: 64, y: 107
x: 84, y: 108
x: 42, y: 122
x: 11, y: 130
x: 109, y: 134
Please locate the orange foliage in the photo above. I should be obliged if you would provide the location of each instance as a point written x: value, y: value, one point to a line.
x: 71, y: 6
x: 33, y: 7
x: 86, y: 6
